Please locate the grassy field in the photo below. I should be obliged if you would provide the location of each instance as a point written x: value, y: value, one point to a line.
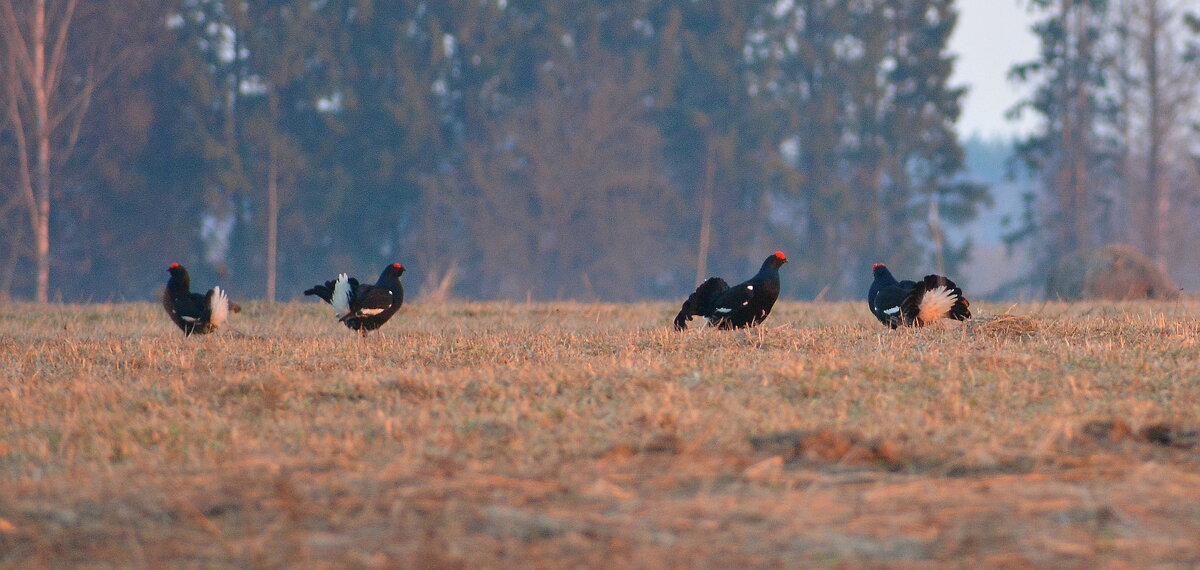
x: 569, y: 435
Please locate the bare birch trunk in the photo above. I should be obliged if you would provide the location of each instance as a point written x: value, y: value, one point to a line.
x: 935, y: 230
x: 41, y: 104
x: 36, y: 73
x: 706, y: 213
x: 272, y: 219
x: 1160, y: 202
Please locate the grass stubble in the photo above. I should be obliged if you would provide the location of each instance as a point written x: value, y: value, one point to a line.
x: 568, y: 435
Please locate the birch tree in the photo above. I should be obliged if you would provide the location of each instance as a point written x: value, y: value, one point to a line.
x: 43, y: 110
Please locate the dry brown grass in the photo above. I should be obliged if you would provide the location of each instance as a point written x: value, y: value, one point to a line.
x: 567, y: 435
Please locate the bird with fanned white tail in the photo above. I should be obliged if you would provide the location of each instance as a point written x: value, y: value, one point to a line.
x: 909, y: 303
x: 743, y: 305
x: 363, y: 307
x: 192, y: 312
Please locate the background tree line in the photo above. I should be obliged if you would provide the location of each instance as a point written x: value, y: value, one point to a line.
x: 1115, y: 157
x: 516, y: 149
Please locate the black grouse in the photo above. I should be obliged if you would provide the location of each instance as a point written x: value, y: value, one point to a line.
x: 908, y: 303
x: 193, y: 312
x: 743, y: 305
x: 364, y: 307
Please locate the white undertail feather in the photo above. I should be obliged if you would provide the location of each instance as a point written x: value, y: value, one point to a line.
x: 218, y: 307
x: 370, y: 312
x: 935, y: 303
x: 341, y: 296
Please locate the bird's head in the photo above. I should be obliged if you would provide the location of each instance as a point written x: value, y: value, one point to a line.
x: 775, y: 261
x: 179, y: 281
x: 390, y: 275
x: 880, y: 270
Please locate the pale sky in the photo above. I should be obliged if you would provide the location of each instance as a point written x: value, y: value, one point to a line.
x: 990, y: 37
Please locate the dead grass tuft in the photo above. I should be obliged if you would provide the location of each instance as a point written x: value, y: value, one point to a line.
x: 1110, y: 431
x: 1164, y: 434
x: 1169, y: 435
x: 1003, y: 326
x: 824, y: 446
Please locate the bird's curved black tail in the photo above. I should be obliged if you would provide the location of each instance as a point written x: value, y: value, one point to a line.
x: 935, y: 297
x: 700, y: 303
x: 325, y: 292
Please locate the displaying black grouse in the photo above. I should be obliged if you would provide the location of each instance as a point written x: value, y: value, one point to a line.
x: 909, y: 303
x: 364, y: 307
x: 193, y: 312
x: 743, y: 305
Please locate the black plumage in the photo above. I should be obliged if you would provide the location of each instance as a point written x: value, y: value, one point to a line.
x: 743, y: 305
x: 363, y: 307
x: 886, y: 294
x: 194, y: 313
x: 909, y: 303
